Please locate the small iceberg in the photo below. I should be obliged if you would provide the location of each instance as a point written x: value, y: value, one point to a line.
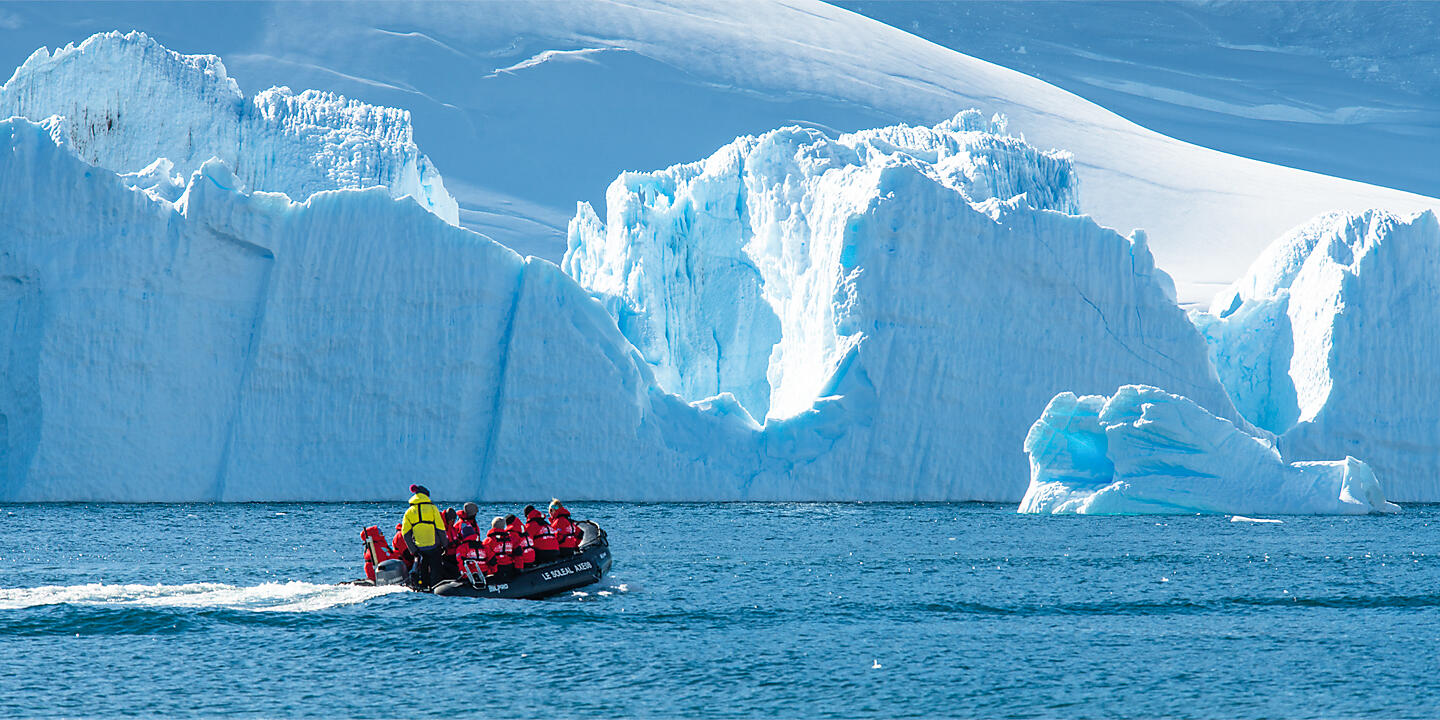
x: 1242, y: 518
x: 1144, y: 450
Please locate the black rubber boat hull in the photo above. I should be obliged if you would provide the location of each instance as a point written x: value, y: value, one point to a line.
x: 586, y: 567
x: 543, y: 581
x: 557, y: 576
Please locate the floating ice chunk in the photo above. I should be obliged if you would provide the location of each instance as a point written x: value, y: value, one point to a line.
x: 1143, y: 450
x: 1242, y: 518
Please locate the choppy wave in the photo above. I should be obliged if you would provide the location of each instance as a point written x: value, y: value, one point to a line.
x: 266, y: 597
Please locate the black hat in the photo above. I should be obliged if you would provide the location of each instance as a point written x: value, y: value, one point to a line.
x: 420, y: 489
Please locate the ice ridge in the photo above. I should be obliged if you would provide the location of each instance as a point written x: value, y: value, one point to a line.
x: 723, y: 271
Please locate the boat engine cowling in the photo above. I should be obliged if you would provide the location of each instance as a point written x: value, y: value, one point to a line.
x: 390, y: 572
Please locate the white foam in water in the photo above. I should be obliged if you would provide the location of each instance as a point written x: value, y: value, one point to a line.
x: 266, y: 597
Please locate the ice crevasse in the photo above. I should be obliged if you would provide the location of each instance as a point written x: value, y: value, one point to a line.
x: 1143, y: 450
x: 128, y: 104
x: 1329, y: 342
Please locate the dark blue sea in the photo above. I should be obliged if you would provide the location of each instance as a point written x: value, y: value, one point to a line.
x: 729, y: 610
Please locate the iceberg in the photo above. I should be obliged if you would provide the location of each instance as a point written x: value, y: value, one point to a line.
x: 1328, y: 343
x: 919, y: 291
x: 1143, y: 450
x: 236, y: 346
x: 123, y: 101
x: 208, y: 341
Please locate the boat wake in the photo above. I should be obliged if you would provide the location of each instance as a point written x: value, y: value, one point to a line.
x: 266, y: 597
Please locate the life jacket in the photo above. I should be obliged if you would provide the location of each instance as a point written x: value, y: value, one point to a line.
x: 470, y: 556
x: 499, y: 551
x: 565, y: 531
x: 424, y: 522
x: 376, y: 550
x: 541, y: 536
x: 527, y: 551
x: 454, y: 534
x: 463, y: 520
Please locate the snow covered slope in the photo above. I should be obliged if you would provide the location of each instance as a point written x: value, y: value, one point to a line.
x: 532, y: 107
x: 126, y: 102
x: 1144, y: 450
x: 1348, y: 88
x: 1329, y: 341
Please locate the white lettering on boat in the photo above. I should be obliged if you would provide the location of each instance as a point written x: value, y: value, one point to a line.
x: 563, y: 571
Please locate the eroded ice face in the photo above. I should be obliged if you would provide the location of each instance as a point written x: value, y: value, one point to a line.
x: 738, y: 274
x: 1328, y: 342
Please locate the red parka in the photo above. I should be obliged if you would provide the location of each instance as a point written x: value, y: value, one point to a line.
x: 499, y: 551
x: 399, y: 544
x: 541, y: 536
x: 522, y: 541
x: 565, y: 531
x: 469, y: 553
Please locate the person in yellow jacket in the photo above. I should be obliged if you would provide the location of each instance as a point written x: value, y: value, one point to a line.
x: 424, y: 531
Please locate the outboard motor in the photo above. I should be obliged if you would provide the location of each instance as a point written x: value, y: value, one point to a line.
x: 390, y: 572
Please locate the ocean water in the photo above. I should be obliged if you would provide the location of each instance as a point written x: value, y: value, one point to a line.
x: 729, y: 610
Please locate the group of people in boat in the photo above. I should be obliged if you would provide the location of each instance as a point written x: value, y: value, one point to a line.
x: 442, y: 545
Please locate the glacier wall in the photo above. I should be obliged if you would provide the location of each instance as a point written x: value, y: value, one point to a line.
x: 885, y: 279
x: 1328, y: 342
x: 242, y: 346
x: 236, y: 345
x: 1143, y: 450
x: 125, y: 101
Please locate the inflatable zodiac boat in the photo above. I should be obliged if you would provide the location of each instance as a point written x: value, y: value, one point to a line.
x: 586, y: 566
